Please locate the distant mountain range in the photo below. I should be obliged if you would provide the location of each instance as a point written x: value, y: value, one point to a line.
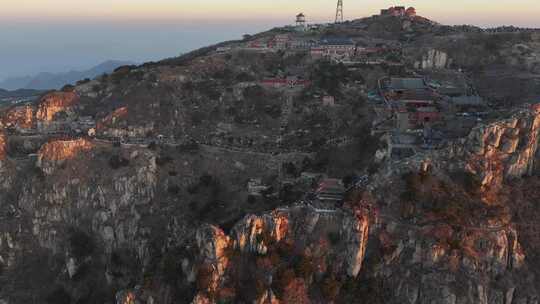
x: 19, y: 93
x: 48, y: 81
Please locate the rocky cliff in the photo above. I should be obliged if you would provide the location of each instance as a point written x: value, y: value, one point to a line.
x: 493, y: 153
x: 447, y: 235
x: 418, y: 234
x: 6, y: 168
x: 110, y: 201
x: 435, y: 228
x: 21, y: 117
x: 434, y: 59
x: 51, y: 154
x: 113, y: 118
x: 65, y: 206
x: 57, y: 150
x: 55, y: 102
x: 3, y: 145
x: 291, y: 246
x: 501, y: 150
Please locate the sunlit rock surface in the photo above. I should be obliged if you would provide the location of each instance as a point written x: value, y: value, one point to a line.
x: 3, y: 145
x: 63, y: 149
x: 54, y: 103
x: 20, y: 117
x: 334, y: 241
x: 501, y: 150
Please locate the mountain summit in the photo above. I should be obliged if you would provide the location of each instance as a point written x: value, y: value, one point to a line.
x: 384, y: 160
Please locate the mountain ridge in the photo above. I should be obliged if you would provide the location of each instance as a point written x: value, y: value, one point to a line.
x: 47, y: 80
x: 213, y: 177
x: 19, y: 93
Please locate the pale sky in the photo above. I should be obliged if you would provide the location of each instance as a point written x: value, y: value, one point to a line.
x: 525, y: 12
x: 56, y: 35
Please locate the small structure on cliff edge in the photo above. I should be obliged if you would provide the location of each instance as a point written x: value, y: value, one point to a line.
x: 399, y: 11
x: 301, y: 22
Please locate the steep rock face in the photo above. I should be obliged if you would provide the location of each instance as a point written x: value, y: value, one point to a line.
x: 19, y: 117
x: 78, y: 213
x: 442, y: 254
x: 107, y: 205
x: 54, y: 103
x: 494, y: 152
x: 57, y: 151
x: 213, y: 245
x: 327, y: 242
x: 440, y: 243
x: 434, y: 59
x: 501, y: 150
x: 116, y: 125
x: 7, y: 174
x: 111, y: 119
x: 63, y: 149
x: 3, y: 145
x: 305, y: 225
x: 440, y: 264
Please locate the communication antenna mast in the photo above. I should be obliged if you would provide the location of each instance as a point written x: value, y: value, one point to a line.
x: 339, y: 11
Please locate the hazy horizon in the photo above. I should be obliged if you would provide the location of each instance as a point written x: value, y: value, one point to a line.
x: 56, y: 37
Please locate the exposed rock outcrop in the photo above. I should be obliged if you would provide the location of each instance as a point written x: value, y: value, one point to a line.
x: 55, y: 152
x: 431, y: 259
x: 3, y: 145
x: 434, y: 240
x: 21, y: 117
x: 494, y: 152
x: 427, y: 264
x: 213, y: 247
x: 109, y: 203
x: 327, y: 241
x: 504, y: 149
x: 58, y: 150
x: 6, y: 173
x: 434, y: 59
x: 114, y: 117
x: 55, y: 102
x: 116, y: 125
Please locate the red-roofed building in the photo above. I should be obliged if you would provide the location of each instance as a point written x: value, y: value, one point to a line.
x: 257, y: 44
x: 415, y: 114
x: 317, y: 53
x: 396, y: 11
x: 281, y: 41
x: 410, y: 12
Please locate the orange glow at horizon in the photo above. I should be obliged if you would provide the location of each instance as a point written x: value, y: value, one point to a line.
x: 455, y: 12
